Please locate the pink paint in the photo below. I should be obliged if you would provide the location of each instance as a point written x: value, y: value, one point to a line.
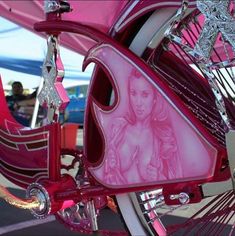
x: 147, y: 139
x: 67, y: 204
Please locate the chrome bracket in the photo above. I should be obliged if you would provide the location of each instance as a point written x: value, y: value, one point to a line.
x: 176, y: 18
x: 217, y: 19
x: 51, y: 6
x: 91, y: 212
x: 53, y: 94
x: 56, y: 6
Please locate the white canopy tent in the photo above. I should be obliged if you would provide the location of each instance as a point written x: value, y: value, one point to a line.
x: 22, y: 53
x: 21, y: 57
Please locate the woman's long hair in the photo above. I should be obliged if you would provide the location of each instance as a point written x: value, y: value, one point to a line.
x: 162, y: 129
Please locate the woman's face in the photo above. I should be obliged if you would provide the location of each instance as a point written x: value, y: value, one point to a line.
x: 141, y: 97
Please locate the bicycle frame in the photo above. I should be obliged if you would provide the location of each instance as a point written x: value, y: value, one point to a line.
x: 31, y: 158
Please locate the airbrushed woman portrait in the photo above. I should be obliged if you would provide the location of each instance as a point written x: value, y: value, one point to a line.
x: 142, y: 146
x: 149, y: 135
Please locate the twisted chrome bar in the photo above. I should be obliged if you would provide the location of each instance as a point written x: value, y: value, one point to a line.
x: 17, y: 202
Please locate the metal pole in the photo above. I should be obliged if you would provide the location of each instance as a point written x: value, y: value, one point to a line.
x: 36, y: 106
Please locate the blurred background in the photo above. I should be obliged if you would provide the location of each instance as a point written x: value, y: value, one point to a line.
x: 21, y: 57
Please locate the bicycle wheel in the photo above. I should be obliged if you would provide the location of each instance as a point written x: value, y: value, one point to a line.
x: 146, y: 212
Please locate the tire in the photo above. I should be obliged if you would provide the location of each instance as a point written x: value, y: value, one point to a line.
x: 128, y: 206
x: 146, y: 213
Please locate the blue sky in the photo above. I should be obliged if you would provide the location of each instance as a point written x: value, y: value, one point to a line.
x: 17, y: 43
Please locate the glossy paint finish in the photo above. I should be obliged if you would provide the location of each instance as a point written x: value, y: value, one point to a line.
x: 101, y: 133
x: 101, y: 15
x: 27, y: 155
x: 144, y: 110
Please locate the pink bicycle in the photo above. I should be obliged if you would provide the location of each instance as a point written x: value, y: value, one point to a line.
x: 159, y: 122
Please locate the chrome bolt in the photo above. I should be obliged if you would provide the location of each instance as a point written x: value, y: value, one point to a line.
x: 182, y: 197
